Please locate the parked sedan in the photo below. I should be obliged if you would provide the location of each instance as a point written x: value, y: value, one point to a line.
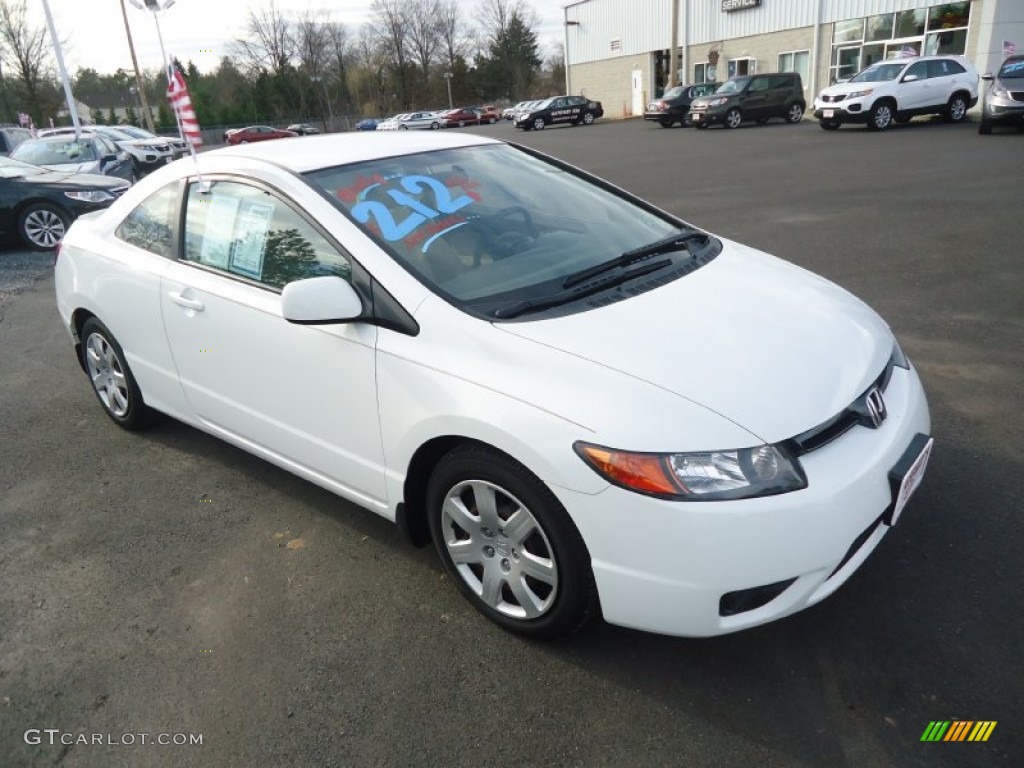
x: 1004, y: 96
x: 90, y: 153
x: 303, y: 129
x: 419, y: 121
x: 457, y: 118
x: 489, y: 114
x: 39, y: 205
x: 571, y: 110
x: 586, y: 403
x: 147, y: 154
x: 368, y: 124
x: 256, y: 133
x: 674, y: 104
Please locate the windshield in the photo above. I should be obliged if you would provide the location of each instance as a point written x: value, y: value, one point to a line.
x: 672, y: 93
x: 489, y: 226
x: 1012, y: 69
x: 14, y: 169
x: 878, y: 73
x: 55, y: 152
x: 137, y: 133
x: 734, y: 86
x: 114, y: 133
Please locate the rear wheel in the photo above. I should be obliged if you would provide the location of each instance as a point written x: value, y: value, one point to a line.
x: 956, y: 109
x: 795, y: 113
x: 509, y: 545
x: 42, y: 225
x: 733, y: 118
x: 111, y: 378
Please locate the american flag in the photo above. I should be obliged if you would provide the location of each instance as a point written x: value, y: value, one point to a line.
x: 181, y: 103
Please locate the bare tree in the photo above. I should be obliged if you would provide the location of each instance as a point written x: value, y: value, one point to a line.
x: 25, y: 50
x: 453, y: 33
x: 496, y: 16
x: 269, y: 44
x: 339, y: 54
x: 391, y: 24
x: 424, y: 32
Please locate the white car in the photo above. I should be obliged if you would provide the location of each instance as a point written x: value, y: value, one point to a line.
x: 585, y: 403
x: 391, y: 124
x: 899, y: 89
x: 146, y: 153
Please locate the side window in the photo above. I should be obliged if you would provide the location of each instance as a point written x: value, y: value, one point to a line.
x: 150, y: 225
x: 758, y: 84
x: 919, y: 68
x: 251, y: 233
x: 782, y: 81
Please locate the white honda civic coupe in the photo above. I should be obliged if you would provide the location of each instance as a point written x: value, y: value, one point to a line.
x: 588, y: 405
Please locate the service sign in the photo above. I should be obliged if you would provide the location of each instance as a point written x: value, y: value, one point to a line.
x: 739, y: 5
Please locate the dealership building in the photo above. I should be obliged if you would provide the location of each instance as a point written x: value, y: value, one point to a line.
x: 618, y: 51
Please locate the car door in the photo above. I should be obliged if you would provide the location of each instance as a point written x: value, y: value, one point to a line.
x: 755, y: 102
x: 916, y: 93
x: 303, y: 396
x: 942, y: 81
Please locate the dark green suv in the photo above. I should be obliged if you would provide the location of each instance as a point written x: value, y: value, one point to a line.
x: 751, y: 97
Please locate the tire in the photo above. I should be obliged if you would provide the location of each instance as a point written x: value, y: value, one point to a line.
x: 880, y: 116
x: 588, y: 118
x: 492, y: 121
x: 985, y: 127
x: 666, y: 123
x: 538, y: 124
x: 535, y: 581
x: 733, y: 118
x: 434, y: 126
x: 42, y: 226
x: 830, y: 125
x: 956, y: 109
x: 462, y: 123
x: 111, y: 378
x: 795, y: 113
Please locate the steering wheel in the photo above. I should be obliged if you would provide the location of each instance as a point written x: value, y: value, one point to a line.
x: 507, y: 232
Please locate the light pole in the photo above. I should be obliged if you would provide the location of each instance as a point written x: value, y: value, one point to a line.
x: 568, y: 77
x: 448, y: 80
x: 146, y: 114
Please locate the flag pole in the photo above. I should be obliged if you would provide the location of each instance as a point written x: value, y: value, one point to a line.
x: 63, y: 71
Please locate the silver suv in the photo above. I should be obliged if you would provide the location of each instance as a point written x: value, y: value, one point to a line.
x: 1004, y: 98
x: 897, y: 90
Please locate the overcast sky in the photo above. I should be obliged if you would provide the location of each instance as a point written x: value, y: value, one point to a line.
x: 202, y: 30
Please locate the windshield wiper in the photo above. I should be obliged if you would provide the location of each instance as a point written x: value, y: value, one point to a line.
x: 674, y: 242
x: 564, y: 297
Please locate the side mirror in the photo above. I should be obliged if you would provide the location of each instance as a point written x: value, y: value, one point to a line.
x: 909, y: 79
x: 319, y: 301
x: 988, y: 76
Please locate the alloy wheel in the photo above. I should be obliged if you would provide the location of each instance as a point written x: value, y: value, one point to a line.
x: 588, y: 118
x: 499, y: 549
x: 44, y: 228
x: 733, y: 118
x: 538, y: 124
x: 107, y: 374
x: 957, y: 109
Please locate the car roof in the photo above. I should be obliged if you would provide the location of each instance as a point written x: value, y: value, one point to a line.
x: 326, y: 150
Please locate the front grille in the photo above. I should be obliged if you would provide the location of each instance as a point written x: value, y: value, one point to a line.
x: 1017, y: 95
x: 842, y: 422
x: 832, y: 99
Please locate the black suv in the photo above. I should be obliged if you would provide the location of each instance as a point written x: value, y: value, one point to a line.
x: 674, y: 104
x: 751, y: 97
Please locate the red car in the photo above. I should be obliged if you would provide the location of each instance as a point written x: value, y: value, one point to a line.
x: 489, y: 114
x: 255, y: 133
x: 460, y: 117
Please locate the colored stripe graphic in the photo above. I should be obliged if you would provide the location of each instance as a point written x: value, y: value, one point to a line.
x: 958, y: 730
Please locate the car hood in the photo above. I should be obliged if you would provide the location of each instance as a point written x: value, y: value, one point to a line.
x: 61, y: 176
x: 88, y: 167
x: 841, y: 89
x: 763, y: 343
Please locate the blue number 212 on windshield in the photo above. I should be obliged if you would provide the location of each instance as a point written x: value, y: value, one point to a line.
x: 391, y: 230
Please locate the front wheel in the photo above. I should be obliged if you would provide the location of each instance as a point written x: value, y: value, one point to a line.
x: 42, y: 225
x: 881, y: 116
x: 956, y: 109
x: 509, y: 545
x: 795, y: 113
x: 588, y: 118
x: 434, y: 126
x: 538, y: 124
x: 733, y: 118
x: 111, y: 378
x: 830, y: 124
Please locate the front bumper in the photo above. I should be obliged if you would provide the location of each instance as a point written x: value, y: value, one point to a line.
x: 672, y: 567
x: 706, y: 116
x: 847, y: 111
x: 1000, y: 110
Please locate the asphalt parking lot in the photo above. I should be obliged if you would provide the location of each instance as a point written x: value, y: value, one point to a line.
x: 166, y: 582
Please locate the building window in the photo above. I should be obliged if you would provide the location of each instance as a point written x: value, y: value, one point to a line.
x: 702, y: 73
x: 910, y: 23
x: 796, y: 61
x: 849, y: 31
x: 741, y: 67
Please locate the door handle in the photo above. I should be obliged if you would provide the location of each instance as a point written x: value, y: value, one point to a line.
x: 181, y: 300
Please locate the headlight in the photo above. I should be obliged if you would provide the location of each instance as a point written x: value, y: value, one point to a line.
x: 706, y: 476
x: 89, y: 195
x: 1002, y: 93
x: 858, y: 94
x: 718, y: 102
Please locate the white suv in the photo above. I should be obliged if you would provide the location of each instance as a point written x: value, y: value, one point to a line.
x: 899, y: 89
